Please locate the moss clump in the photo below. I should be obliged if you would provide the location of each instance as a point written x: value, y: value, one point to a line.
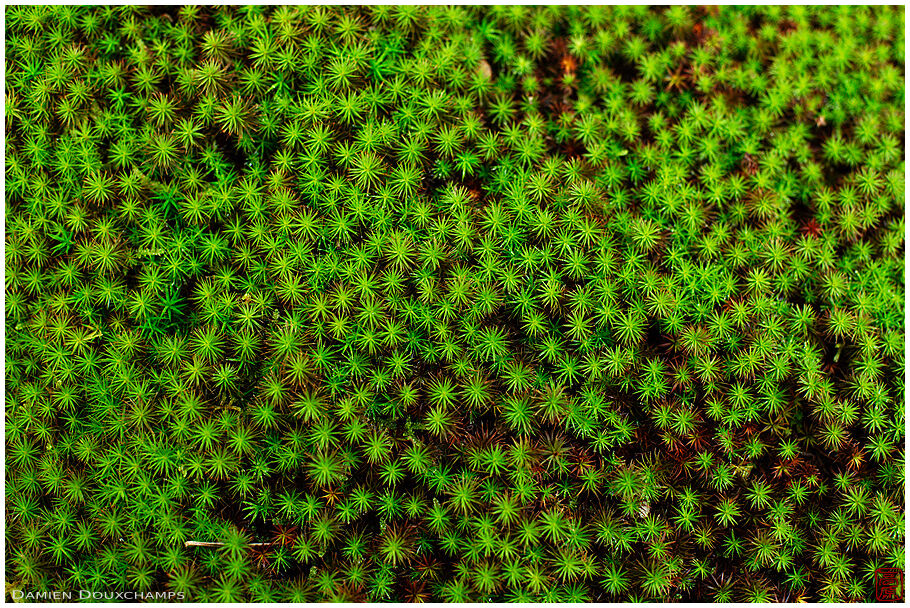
x: 455, y: 304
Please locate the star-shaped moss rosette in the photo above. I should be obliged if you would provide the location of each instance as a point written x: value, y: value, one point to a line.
x: 455, y: 303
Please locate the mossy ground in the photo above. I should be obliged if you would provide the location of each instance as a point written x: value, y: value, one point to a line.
x: 455, y: 304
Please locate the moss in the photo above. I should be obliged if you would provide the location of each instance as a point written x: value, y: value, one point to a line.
x: 413, y: 303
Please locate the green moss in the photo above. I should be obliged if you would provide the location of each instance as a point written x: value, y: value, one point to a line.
x: 406, y: 303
